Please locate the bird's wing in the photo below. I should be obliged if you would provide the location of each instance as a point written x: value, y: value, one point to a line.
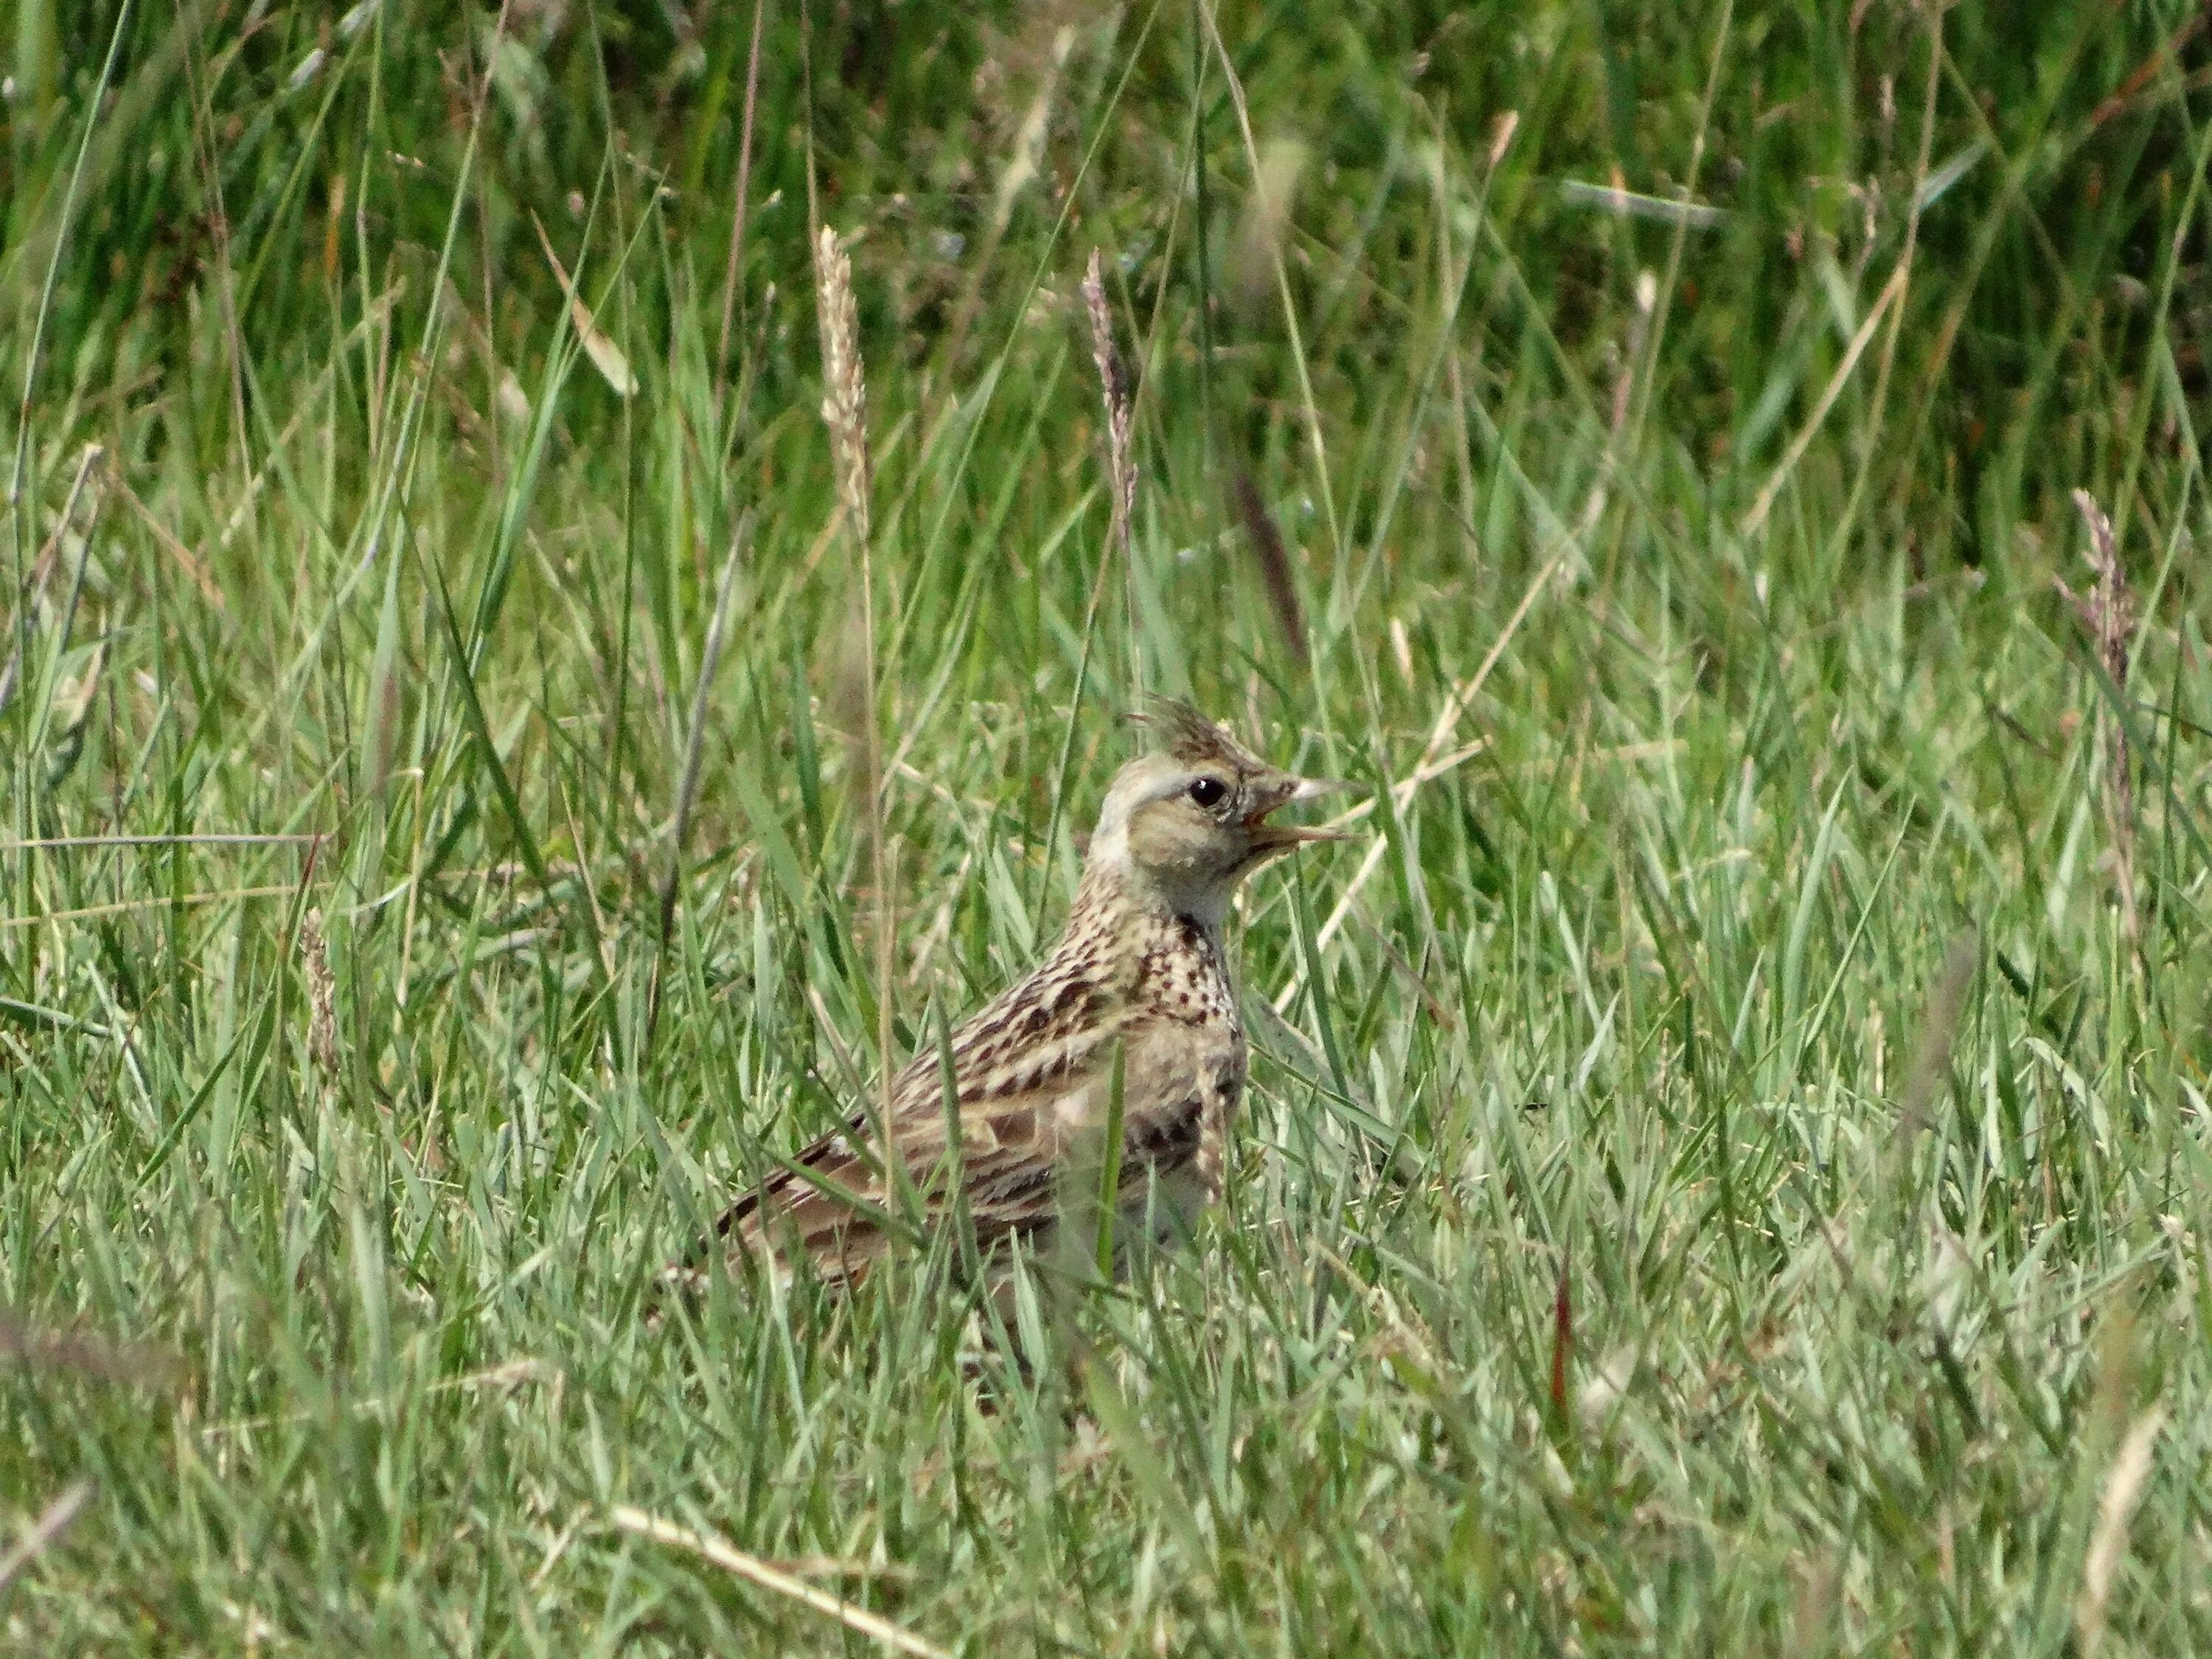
x: 1021, y: 1135
x: 832, y: 1204
x: 1013, y: 1065
x: 1031, y: 1078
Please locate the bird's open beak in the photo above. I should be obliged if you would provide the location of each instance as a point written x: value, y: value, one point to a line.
x: 1281, y: 837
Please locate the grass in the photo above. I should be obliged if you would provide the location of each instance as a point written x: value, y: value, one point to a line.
x: 1730, y: 1175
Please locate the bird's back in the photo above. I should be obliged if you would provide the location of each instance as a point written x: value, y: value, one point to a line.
x: 1032, y: 1086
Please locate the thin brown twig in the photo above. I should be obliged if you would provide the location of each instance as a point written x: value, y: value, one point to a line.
x: 2167, y: 52
x: 1274, y: 563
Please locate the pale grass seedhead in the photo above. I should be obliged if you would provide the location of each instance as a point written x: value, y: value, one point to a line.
x: 845, y: 412
x: 1121, y: 416
x: 844, y: 382
x: 2128, y: 1465
x: 322, y: 995
x: 1605, y: 1387
x: 2116, y: 1508
x: 1820, y: 1584
x: 1026, y: 163
x: 2107, y: 611
x: 1501, y: 136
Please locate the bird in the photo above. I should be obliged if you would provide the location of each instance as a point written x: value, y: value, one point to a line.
x: 1140, y: 977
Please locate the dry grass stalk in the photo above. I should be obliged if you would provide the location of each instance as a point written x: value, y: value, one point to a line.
x: 2107, y: 611
x: 606, y: 356
x: 1763, y: 504
x: 322, y: 995
x: 845, y: 412
x: 1433, y: 763
x: 1501, y: 136
x: 1274, y: 563
x: 53, y: 1520
x: 2116, y: 1507
x: 724, y: 1555
x: 1120, y: 404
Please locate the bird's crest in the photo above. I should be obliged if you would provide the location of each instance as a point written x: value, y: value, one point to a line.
x: 1194, y: 739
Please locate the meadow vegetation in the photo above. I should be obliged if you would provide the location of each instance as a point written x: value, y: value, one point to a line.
x: 1727, y: 1168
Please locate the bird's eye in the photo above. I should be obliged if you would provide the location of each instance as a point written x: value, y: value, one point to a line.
x: 1208, y: 792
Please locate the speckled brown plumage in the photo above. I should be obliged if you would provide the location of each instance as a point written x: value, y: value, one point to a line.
x: 1140, y: 967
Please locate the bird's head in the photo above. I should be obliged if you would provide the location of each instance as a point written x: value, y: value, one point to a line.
x: 1186, y: 822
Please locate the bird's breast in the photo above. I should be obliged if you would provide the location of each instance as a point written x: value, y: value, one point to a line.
x: 1181, y: 973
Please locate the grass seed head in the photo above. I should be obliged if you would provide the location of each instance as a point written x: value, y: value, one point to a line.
x: 1120, y: 404
x: 844, y: 381
x: 2107, y: 611
x: 322, y: 995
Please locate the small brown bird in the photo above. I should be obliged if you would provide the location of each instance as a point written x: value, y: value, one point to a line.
x: 1140, y: 968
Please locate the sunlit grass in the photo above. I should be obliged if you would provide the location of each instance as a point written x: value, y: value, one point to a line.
x: 1729, y: 1173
